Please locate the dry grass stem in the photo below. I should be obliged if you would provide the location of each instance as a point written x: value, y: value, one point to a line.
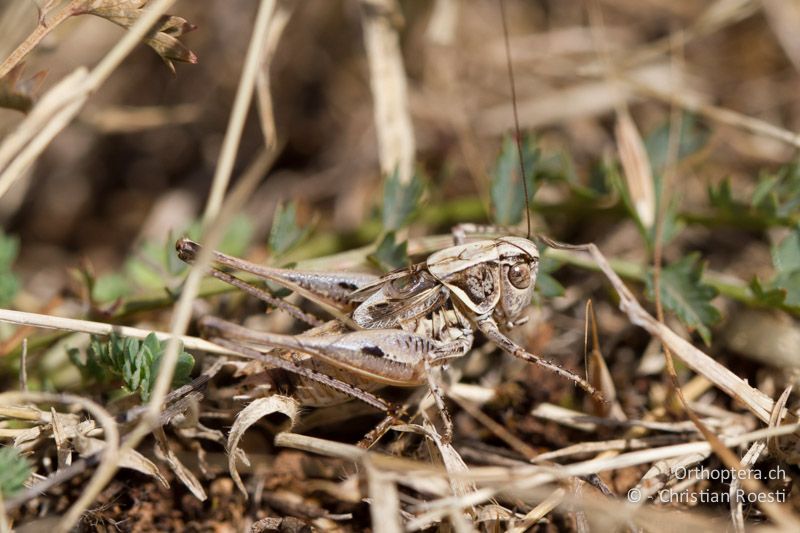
x: 689, y: 102
x: 100, y: 328
x: 444, y: 18
x: 281, y: 16
x: 581, y: 100
x: 784, y: 17
x: 396, y: 145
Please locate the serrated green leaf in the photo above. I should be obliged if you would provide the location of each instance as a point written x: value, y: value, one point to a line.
x: 786, y: 260
x: 507, y: 192
x: 684, y: 293
x: 14, y: 471
x: 390, y: 255
x: 778, y: 194
x: 761, y: 194
x: 721, y: 196
x: 786, y: 255
x: 790, y: 283
x: 285, y: 233
x: 766, y: 295
x: 400, y: 200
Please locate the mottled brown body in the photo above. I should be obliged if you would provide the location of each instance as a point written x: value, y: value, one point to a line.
x: 392, y: 329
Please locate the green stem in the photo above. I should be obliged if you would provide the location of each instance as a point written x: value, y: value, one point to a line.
x: 727, y: 286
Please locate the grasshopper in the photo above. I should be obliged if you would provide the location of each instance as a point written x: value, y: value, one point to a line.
x: 398, y: 328
x: 392, y: 329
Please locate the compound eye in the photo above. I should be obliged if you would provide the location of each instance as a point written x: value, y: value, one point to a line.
x: 520, y: 275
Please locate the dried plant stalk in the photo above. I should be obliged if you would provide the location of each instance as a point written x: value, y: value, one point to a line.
x: 396, y: 145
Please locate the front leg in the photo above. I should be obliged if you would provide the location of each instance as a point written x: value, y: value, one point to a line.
x: 493, y: 333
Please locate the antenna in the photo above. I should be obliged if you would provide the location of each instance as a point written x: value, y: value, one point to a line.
x: 517, y: 134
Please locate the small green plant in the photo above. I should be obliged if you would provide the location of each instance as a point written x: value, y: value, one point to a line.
x: 774, y: 202
x: 684, y: 293
x: 285, y: 233
x: 154, y: 264
x: 507, y: 192
x: 400, y: 204
x: 134, y: 362
x: 784, y: 288
x: 14, y: 470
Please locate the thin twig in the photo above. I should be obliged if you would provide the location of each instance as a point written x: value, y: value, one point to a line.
x: 43, y: 29
x: 716, y: 113
x: 396, y: 145
x: 100, y: 328
x: 213, y: 220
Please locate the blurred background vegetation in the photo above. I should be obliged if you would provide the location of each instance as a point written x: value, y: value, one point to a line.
x: 711, y: 87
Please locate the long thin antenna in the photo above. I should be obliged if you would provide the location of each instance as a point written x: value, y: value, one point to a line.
x: 517, y: 134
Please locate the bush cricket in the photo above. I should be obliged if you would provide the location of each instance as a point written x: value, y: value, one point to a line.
x: 397, y: 328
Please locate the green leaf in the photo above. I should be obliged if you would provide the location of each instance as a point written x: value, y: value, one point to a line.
x: 182, y: 374
x: 110, y: 287
x: 684, y: 293
x: 671, y: 224
x: 507, y: 192
x: 778, y: 195
x: 786, y: 255
x: 692, y: 137
x: 237, y: 237
x: 546, y: 284
x: 721, y: 196
x: 285, y: 233
x: 789, y: 282
x: 9, y: 283
x: 129, y: 361
x: 14, y: 471
x: 155, y: 265
x: 400, y: 200
x: 767, y: 295
x: 786, y: 259
x: 390, y: 255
